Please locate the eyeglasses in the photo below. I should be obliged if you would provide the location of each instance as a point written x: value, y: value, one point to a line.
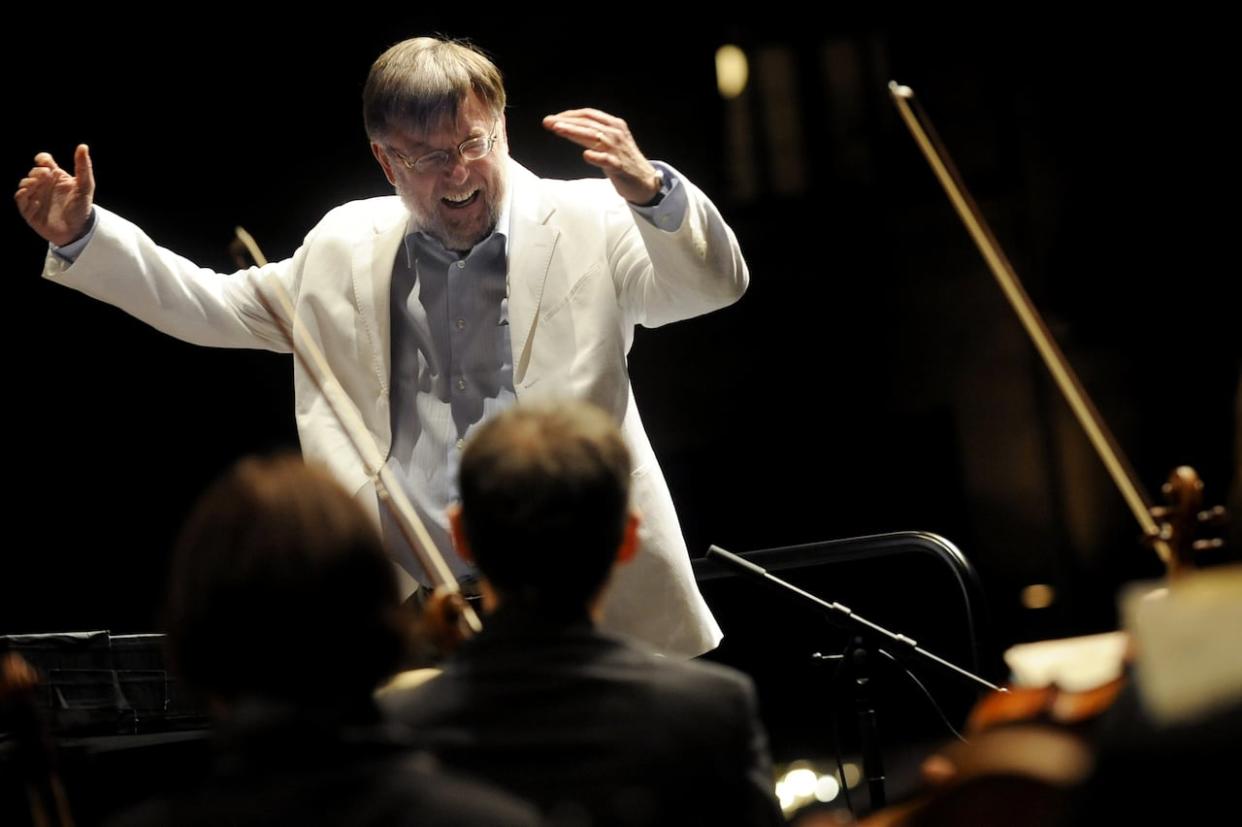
x: 471, y: 149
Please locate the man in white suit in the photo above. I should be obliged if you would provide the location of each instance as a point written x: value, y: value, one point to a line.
x: 478, y: 286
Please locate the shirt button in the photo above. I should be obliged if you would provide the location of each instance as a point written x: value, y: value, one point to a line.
x: 461, y: 264
x: 461, y: 324
x: 461, y: 443
x: 461, y: 384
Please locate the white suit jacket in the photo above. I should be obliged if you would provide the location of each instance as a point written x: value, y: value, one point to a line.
x: 583, y: 270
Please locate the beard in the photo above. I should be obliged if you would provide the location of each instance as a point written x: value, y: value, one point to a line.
x: 459, y: 236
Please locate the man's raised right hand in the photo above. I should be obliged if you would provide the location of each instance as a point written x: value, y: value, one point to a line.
x: 54, y: 203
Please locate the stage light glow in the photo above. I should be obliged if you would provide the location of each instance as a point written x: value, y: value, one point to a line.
x: 732, y: 71
x: 827, y: 788
x: 801, y: 782
x: 1038, y: 596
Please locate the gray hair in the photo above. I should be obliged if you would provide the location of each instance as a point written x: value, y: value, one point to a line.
x: 420, y: 82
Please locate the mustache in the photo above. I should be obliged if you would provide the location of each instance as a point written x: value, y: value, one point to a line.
x: 426, y: 219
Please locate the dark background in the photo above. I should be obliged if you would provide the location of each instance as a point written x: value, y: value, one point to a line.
x: 873, y: 379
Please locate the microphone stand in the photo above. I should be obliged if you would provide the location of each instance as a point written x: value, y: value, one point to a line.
x: 867, y: 636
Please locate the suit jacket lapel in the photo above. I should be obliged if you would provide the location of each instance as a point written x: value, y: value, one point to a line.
x: 530, y: 257
x: 372, y: 262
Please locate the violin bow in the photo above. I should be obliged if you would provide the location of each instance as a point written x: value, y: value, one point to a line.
x: 389, y: 489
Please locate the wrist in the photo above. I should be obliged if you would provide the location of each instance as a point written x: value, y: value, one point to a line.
x: 657, y: 189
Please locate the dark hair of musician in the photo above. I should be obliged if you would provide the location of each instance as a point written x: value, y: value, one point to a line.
x: 544, y: 498
x: 280, y: 589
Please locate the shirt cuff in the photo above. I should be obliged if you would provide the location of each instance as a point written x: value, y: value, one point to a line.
x: 670, y: 209
x: 73, y: 249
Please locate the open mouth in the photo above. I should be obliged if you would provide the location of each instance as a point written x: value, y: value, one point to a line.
x: 460, y: 203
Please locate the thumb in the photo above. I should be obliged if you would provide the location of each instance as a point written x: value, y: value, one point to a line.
x: 83, y: 170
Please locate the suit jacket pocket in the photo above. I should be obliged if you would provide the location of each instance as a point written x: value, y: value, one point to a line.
x: 561, y: 301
